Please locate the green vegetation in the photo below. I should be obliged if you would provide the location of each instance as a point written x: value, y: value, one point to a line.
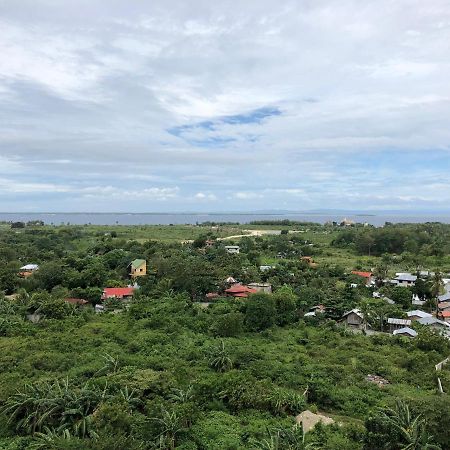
x: 164, y: 371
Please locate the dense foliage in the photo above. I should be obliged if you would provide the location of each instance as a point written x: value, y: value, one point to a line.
x: 167, y: 372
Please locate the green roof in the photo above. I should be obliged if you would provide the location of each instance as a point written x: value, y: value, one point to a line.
x: 137, y: 263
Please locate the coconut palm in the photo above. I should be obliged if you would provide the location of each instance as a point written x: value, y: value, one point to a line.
x: 411, y: 429
x: 221, y: 360
x: 436, y: 288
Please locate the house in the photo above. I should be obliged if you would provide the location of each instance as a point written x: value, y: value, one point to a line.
x: 388, y: 300
x: 404, y: 279
x: 230, y: 281
x: 444, y: 297
x: 261, y: 287
x: 209, y: 243
x: 434, y: 323
x: 406, y: 332
x: 317, y: 309
x: 76, y: 301
x: 417, y: 314
x: 309, y: 260
x: 416, y: 300
x: 138, y: 268
x: 445, y: 315
x: 240, y: 291
x: 27, y: 270
x: 367, y: 276
x: 395, y: 324
x: 354, y: 318
x: 120, y: 293
x: 265, y: 268
x: 444, y: 306
x: 232, y: 249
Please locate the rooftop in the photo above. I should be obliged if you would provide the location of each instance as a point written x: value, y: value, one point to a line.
x: 405, y: 330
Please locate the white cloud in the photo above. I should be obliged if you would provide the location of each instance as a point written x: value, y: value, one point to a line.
x: 205, y: 196
x: 90, y: 89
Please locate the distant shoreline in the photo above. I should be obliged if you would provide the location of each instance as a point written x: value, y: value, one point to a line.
x: 110, y: 219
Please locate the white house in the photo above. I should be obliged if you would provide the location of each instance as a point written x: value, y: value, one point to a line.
x: 232, y: 249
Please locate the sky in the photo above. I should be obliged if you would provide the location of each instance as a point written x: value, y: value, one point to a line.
x: 170, y: 106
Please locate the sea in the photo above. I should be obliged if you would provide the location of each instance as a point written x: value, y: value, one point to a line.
x: 377, y: 219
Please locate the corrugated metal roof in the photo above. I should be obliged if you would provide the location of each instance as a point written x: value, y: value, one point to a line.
x: 395, y: 321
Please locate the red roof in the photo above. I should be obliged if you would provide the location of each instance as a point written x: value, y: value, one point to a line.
x: 362, y: 274
x: 240, y: 288
x: 117, y: 292
x: 445, y: 313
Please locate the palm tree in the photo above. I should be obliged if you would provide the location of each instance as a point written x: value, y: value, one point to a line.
x: 171, y: 426
x: 285, y: 439
x: 181, y: 395
x: 380, y: 273
x: 436, y: 288
x: 111, y: 364
x: 221, y: 360
x: 411, y: 429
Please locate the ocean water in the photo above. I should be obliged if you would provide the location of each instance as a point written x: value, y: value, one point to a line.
x: 193, y: 218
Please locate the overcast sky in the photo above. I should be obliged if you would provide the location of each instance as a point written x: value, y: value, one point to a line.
x: 116, y: 105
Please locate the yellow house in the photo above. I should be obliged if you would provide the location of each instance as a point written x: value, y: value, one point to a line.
x: 138, y: 268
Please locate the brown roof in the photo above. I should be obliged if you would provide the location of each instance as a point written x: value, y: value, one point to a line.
x: 76, y: 301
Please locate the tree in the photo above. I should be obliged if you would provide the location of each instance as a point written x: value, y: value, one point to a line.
x: 260, y: 312
x: 230, y: 324
x: 436, y: 288
x: 220, y: 359
x: 286, y: 305
x: 380, y: 273
x: 398, y: 428
x: 402, y: 296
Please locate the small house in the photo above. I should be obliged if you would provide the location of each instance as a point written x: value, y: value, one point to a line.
x: 367, y: 276
x: 120, y: 293
x: 417, y: 314
x: 232, y: 249
x: 395, y: 324
x: 309, y: 260
x: 261, y: 287
x: 444, y: 306
x: 406, y: 332
x: 354, y: 319
x: 138, y: 268
x: 444, y: 297
x: 435, y: 323
x: 266, y: 268
x: 76, y: 301
x: 445, y: 315
x: 404, y: 280
x: 28, y: 270
x: 240, y: 291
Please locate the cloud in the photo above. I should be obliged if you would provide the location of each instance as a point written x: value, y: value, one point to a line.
x: 205, y: 196
x: 289, y: 105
